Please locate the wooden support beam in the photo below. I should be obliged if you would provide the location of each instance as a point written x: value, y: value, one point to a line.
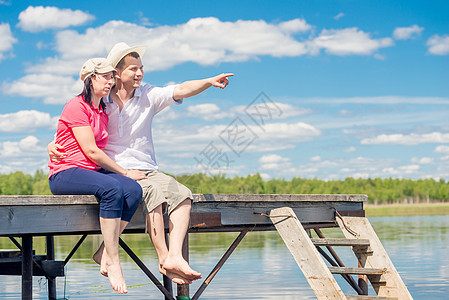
x: 144, y: 268
x: 51, y: 281
x: 183, y: 291
x: 168, y: 284
x: 220, y: 263
x: 391, y: 284
x: 27, y: 267
x: 305, y: 254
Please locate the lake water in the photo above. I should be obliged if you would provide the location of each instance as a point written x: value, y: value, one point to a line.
x: 260, y: 268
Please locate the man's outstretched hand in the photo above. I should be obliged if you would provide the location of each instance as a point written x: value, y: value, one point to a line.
x: 221, y: 80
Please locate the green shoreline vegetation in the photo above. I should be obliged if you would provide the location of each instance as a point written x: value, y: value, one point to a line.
x: 384, y: 194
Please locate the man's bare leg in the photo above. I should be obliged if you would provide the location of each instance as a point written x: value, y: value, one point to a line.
x: 155, y: 219
x: 110, y: 229
x: 100, y: 257
x: 173, y: 261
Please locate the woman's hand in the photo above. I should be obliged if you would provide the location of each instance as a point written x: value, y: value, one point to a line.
x: 135, y: 174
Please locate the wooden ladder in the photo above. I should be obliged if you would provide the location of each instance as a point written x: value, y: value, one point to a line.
x: 373, y: 259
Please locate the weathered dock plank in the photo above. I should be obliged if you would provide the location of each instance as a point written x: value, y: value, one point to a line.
x: 71, y: 214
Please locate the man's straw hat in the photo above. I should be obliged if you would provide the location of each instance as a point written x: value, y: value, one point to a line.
x: 120, y: 50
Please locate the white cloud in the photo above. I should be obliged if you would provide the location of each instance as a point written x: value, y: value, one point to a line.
x: 274, y: 162
x: 378, y: 56
x: 6, y: 39
x: 360, y: 175
x: 404, y: 33
x: 272, y: 110
x: 28, y: 146
x: 266, y: 111
x: 272, y: 158
x: 408, y: 140
x: 54, y: 89
x: 265, y: 176
x: 208, y: 112
x: 39, y: 18
x: 349, y: 41
x: 57, y: 66
x: 339, y: 16
x: 26, y: 155
x: 294, y: 26
x: 168, y: 115
x: 315, y: 158
x: 289, y: 131
x: 350, y: 149
x: 364, y: 167
x: 144, y: 20
x: 346, y: 113
x: 442, y: 149
x: 26, y: 121
x: 206, y: 41
x: 275, y: 136
x: 438, y: 45
x: 422, y: 160
x: 379, y: 100
x: 410, y: 169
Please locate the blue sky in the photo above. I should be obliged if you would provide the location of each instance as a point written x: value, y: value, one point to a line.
x: 325, y: 89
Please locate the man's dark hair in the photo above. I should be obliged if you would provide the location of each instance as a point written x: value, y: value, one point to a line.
x: 87, y: 93
x: 121, y: 63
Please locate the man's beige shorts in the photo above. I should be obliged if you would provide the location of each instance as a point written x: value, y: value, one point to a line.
x: 159, y: 188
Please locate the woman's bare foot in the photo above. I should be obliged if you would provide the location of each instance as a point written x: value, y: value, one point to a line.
x: 116, y: 279
x: 177, y: 265
x: 100, y: 257
x: 174, y: 277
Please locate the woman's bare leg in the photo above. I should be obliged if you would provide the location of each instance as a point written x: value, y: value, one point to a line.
x: 100, y: 256
x: 110, y: 229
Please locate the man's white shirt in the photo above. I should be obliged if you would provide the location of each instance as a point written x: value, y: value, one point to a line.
x: 130, y: 136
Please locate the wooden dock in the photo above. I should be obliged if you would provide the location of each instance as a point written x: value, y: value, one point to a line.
x: 29, y: 216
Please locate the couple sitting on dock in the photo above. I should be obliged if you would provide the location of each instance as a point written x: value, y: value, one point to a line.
x: 104, y: 147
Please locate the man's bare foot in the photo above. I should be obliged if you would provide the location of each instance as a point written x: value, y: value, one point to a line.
x: 179, y: 266
x: 178, y: 279
x: 100, y: 257
x: 116, y: 279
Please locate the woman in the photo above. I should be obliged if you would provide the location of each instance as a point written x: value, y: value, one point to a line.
x: 87, y: 170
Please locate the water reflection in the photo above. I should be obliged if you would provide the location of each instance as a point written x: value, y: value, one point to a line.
x: 260, y: 268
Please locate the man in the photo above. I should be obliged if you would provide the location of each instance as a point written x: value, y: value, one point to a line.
x: 131, y: 108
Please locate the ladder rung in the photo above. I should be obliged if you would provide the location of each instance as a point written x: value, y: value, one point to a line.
x: 377, y: 280
x: 341, y: 242
x: 356, y: 271
x: 361, y: 297
x: 366, y: 251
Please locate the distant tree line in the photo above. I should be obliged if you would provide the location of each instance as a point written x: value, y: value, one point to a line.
x: 18, y: 183
x: 379, y: 191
